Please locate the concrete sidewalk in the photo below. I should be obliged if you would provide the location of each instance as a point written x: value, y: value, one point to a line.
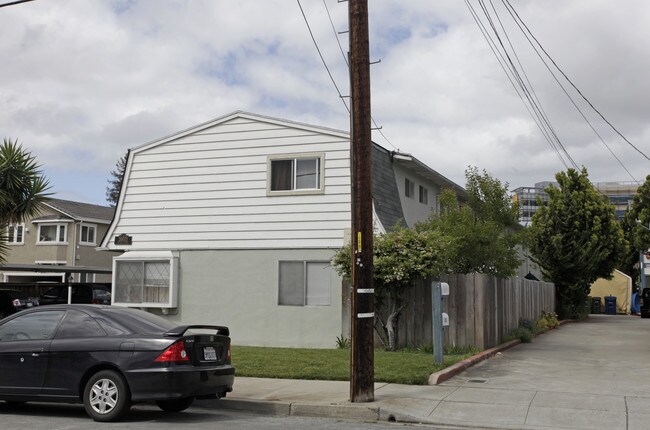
x: 589, y: 375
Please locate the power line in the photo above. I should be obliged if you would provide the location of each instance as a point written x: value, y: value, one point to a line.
x: 344, y: 59
x: 508, y: 72
x: 14, y: 3
x: 512, y: 71
x: 321, y: 56
x: 571, y: 82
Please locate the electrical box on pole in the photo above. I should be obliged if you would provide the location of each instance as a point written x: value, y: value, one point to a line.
x: 439, y: 319
x: 362, y: 354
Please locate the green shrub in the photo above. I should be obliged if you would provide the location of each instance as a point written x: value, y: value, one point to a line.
x: 342, y: 342
x: 542, y: 325
x: 521, y: 333
x: 551, y: 319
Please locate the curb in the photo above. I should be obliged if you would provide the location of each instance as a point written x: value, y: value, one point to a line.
x: 280, y: 408
x: 453, y: 370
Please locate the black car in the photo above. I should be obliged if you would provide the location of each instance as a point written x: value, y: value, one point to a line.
x: 7, y: 305
x: 109, y: 357
x: 20, y: 299
x: 97, y: 294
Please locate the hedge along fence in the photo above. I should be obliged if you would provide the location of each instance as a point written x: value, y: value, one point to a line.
x: 482, y: 309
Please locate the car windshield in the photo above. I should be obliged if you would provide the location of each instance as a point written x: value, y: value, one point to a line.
x: 140, y: 321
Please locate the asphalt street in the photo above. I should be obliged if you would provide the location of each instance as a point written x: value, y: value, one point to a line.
x: 35, y: 416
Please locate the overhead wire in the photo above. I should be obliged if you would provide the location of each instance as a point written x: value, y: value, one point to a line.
x: 346, y: 62
x: 519, y: 23
x: 320, y: 54
x: 14, y: 3
x: 499, y: 57
x: 526, y: 88
x: 527, y: 92
x: 571, y: 82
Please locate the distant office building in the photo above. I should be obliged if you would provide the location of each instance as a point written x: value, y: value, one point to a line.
x: 620, y: 195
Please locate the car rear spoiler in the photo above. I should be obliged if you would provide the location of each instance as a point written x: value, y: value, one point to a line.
x: 181, y: 329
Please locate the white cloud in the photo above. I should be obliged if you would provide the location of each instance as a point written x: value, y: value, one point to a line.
x: 85, y: 80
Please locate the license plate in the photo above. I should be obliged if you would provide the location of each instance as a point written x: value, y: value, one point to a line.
x: 30, y: 304
x: 209, y: 354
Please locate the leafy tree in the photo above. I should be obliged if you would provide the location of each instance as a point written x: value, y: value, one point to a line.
x: 400, y: 257
x: 483, y: 233
x: 576, y: 239
x: 22, y: 187
x: 461, y: 239
x: 635, y: 224
x: 115, y: 184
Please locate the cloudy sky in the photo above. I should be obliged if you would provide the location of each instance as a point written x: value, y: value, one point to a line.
x: 84, y: 80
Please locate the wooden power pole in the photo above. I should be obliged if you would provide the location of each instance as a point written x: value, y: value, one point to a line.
x: 362, y: 355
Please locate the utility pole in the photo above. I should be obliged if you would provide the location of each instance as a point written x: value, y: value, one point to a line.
x: 362, y: 354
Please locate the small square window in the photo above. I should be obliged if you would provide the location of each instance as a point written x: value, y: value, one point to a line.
x: 295, y: 174
x: 88, y: 234
x: 304, y: 283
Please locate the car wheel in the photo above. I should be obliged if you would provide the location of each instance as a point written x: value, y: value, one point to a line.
x: 106, y: 396
x: 175, y: 405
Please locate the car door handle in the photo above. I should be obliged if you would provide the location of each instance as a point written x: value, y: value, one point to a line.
x: 37, y: 352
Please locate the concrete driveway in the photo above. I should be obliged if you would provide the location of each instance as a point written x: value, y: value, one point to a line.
x: 594, y: 375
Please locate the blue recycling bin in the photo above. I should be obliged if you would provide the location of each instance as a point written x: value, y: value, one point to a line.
x: 610, y: 305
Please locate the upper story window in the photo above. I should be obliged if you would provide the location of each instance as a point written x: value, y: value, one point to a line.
x: 295, y: 174
x: 424, y: 195
x: 409, y: 188
x: 88, y: 232
x: 52, y: 233
x: 16, y: 234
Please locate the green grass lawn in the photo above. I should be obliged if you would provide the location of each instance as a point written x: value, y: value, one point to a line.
x: 402, y: 367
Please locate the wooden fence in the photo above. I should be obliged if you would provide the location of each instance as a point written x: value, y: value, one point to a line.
x: 482, y: 309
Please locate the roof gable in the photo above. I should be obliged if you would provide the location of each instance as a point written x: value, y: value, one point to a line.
x: 81, y: 211
x: 241, y: 115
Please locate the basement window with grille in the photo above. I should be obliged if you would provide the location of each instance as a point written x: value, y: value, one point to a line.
x: 145, y: 280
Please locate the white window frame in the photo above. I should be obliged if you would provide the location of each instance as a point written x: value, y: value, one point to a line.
x: 12, y: 237
x: 81, y: 234
x: 148, y: 257
x: 320, y: 189
x: 58, y: 226
x: 306, y: 303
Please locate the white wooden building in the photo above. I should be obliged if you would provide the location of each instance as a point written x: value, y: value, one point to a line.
x: 235, y: 222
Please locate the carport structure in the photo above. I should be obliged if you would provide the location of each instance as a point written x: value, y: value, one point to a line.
x: 38, y: 288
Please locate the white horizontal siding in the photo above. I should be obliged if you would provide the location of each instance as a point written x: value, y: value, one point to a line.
x: 208, y: 190
x: 257, y: 243
x: 213, y: 220
x: 207, y: 208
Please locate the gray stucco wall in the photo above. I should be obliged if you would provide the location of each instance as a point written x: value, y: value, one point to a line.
x: 239, y: 288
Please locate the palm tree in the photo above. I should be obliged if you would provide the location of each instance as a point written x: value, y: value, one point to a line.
x: 22, y: 188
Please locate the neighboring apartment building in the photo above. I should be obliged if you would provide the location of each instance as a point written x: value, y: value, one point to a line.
x: 235, y: 222
x: 620, y: 195
x: 65, y: 233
